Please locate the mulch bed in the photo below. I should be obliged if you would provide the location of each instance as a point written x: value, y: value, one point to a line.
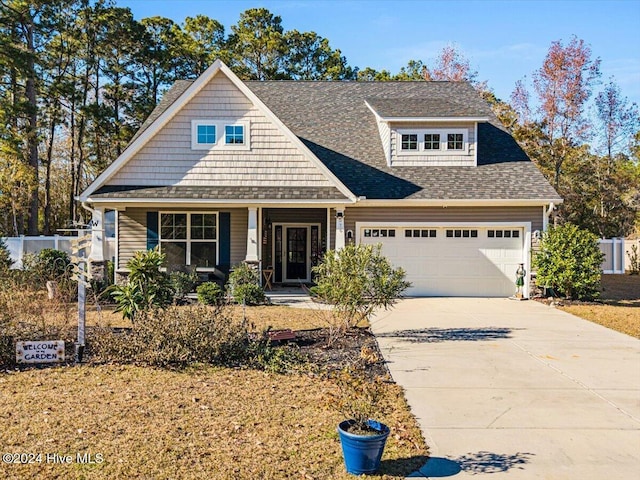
x: 357, y: 347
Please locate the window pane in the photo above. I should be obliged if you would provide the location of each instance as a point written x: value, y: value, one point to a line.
x: 176, y: 252
x: 206, y: 134
x: 173, y: 226
x: 410, y: 141
x: 203, y: 254
x: 234, y: 134
x: 454, y: 141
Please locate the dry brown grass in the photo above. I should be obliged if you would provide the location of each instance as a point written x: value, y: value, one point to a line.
x: 199, y: 423
x: 620, y: 309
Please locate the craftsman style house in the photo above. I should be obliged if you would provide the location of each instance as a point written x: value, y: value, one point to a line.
x: 276, y: 173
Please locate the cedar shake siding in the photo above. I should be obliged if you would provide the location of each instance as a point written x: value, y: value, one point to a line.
x: 168, y: 159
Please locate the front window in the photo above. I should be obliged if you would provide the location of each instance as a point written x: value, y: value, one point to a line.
x: 409, y: 141
x: 234, y: 134
x: 432, y: 141
x: 455, y: 141
x: 189, y: 239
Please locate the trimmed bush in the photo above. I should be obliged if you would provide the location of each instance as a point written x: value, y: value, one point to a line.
x: 210, y: 293
x: 570, y: 262
x: 357, y: 280
x: 182, y: 283
x: 244, y: 285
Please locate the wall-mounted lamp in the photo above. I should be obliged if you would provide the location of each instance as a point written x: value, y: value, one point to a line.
x: 350, y: 235
x: 339, y: 214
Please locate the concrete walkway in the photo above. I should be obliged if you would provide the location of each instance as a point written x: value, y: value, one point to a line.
x: 516, y: 390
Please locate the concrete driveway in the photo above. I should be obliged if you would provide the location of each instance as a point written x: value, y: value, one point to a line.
x: 516, y: 390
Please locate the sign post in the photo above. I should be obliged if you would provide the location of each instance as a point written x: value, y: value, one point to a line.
x: 79, y: 260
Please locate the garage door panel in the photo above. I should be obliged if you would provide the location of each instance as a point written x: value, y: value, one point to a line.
x: 482, y: 263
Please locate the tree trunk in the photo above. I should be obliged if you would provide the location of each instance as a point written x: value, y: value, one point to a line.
x: 32, y: 132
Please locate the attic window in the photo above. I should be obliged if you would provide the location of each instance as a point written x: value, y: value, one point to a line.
x: 206, y: 134
x: 409, y: 141
x: 220, y: 134
x: 234, y: 134
x: 432, y: 141
x: 455, y: 141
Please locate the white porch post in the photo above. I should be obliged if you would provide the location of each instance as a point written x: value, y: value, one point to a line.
x: 97, y: 235
x: 252, y: 235
x: 339, y: 228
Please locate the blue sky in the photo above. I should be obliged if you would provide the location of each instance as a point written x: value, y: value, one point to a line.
x: 504, y: 40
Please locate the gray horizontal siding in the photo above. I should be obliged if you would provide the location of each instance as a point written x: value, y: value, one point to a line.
x: 132, y: 232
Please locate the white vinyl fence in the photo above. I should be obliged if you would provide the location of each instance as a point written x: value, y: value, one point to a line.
x: 615, y: 249
x: 19, y: 246
x: 616, y: 254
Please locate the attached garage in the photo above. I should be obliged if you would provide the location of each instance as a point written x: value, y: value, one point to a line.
x: 453, y: 260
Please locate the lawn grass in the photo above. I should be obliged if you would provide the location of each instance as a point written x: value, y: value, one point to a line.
x: 203, y: 422
x: 620, y: 307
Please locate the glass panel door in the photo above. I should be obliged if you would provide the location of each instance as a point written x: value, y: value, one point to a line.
x: 297, y: 253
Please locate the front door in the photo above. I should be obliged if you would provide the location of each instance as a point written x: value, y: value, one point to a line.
x: 296, y: 253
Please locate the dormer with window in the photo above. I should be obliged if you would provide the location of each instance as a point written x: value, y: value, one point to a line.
x: 420, y: 132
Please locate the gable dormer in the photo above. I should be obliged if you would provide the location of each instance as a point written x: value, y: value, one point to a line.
x: 427, y: 131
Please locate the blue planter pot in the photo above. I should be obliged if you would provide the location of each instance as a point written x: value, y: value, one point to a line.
x: 362, y: 453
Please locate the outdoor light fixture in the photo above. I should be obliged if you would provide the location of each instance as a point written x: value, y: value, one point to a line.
x: 339, y: 214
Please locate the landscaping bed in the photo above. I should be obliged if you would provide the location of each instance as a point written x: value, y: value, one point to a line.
x: 199, y: 421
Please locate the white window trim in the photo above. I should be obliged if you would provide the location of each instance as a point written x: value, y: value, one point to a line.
x: 421, y: 132
x: 219, y: 144
x: 188, y: 240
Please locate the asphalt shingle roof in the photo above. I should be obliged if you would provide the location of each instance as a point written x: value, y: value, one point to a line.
x: 332, y: 119
x: 180, y: 192
x: 432, y: 107
x: 334, y: 122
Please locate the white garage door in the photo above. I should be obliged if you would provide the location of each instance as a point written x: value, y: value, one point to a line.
x: 452, y: 261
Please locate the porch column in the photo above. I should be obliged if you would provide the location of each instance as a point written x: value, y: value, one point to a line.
x: 252, y: 235
x: 97, y: 235
x: 339, y: 228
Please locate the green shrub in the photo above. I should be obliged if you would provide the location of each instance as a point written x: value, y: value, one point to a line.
x: 182, y: 283
x: 210, y: 293
x: 249, y: 294
x: 52, y: 264
x: 147, y: 286
x: 357, y: 280
x: 570, y: 262
x: 176, y: 336
x: 5, y: 256
x: 263, y: 355
x: 244, y: 285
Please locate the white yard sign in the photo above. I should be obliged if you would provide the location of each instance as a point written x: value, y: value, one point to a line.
x: 44, y: 351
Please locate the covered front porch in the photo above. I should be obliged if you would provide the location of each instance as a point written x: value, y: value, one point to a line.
x: 287, y: 243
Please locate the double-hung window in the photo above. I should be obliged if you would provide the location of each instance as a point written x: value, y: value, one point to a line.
x: 189, y: 239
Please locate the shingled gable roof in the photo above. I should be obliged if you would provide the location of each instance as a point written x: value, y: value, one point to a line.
x: 178, y: 96
x: 436, y: 107
x: 335, y: 122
